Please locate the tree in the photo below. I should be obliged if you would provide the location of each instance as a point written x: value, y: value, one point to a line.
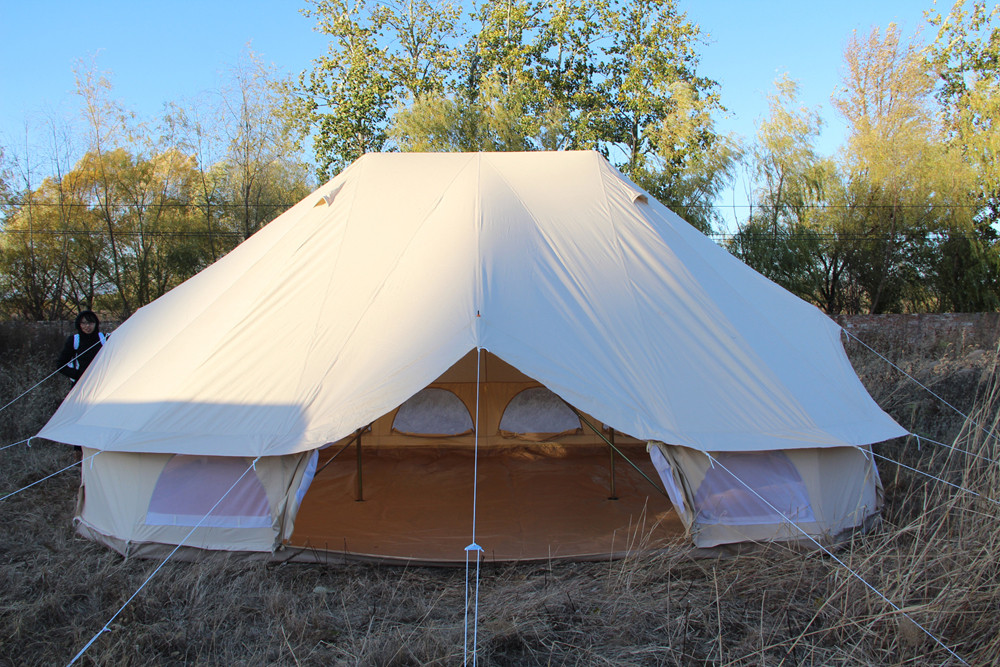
x: 618, y: 77
x: 965, y: 56
x: 259, y: 143
x: 905, y: 184
x: 379, y: 55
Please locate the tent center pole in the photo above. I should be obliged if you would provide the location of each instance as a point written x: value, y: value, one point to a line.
x: 360, y: 490
x: 611, y: 450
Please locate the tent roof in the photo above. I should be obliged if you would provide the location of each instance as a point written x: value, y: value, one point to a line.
x: 374, y: 285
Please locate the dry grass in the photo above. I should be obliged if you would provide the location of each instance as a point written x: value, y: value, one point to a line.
x: 935, y: 555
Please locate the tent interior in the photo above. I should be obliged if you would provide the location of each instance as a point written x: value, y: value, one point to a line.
x: 546, y: 485
x: 548, y: 482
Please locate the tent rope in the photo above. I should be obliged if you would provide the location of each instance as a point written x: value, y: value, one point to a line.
x: 42, y: 381
x: 839, y: 561
x: 72, y: 465
x: 921, y: 385
x: 106, y: 627
x: 924, y: 438
x: 473, y: 547
x: 20, y: 442
x: 938, y: 479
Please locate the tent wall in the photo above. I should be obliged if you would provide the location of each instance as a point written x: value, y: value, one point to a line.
x: 117, y: 503
x: 555, y: 262
x: 823, y: 492
x: 500, y: 386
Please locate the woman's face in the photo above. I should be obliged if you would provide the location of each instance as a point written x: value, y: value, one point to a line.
x: 87, y: 326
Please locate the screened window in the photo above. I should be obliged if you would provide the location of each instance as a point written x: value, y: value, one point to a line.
x: 190, y: 486
x: 538, y: 410
x: 433, y: 411
x: 721, y: 499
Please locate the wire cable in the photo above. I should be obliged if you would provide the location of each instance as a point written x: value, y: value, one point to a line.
x: 923, y: 438
x: 43, y: 380
x: 105, y: 628
x: 473, y: 547
x: 938, y: 479
x: 839, y: 561
x: 920, y: 384
x: 20, y: 442
x: 14, y: 493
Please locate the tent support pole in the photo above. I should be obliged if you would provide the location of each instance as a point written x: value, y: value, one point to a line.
x: 612, y: 446
x: 361, y: 493
x: 340, y: 451
x: 611, y: 450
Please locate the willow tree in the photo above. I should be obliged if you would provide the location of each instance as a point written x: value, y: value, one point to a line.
x: 906, y: 185
x: 965, y: 56
x: 791, y: 236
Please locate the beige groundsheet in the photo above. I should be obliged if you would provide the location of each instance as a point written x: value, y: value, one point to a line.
x: 533, y: 502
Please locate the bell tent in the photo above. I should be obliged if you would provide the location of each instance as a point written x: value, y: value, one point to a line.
x: 435, y: 344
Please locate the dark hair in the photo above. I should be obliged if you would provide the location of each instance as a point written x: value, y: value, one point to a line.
x: 89, y: 316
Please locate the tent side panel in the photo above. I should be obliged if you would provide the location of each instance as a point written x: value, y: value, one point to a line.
x: 822, y: 492
x: 118, y: 490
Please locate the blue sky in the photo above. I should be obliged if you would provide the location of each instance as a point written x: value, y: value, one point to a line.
x: 173, y: 50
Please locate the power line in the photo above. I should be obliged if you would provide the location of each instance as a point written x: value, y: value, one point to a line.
x: 717, y: 236
x: 126, y: 233
x: 285, y: 205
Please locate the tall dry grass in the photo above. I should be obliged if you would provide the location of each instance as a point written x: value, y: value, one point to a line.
x: 934, y: 555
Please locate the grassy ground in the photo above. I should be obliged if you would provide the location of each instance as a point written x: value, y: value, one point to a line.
x: 935, y: 555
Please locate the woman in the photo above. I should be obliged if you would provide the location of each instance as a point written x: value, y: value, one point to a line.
x: 81, y: 348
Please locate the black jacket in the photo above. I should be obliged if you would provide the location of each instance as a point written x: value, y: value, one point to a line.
x: 79, y: 350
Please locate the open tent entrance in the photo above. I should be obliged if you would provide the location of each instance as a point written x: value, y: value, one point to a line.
x: 548, y: 486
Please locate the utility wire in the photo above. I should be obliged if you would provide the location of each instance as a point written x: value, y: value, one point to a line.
x: 106, y: 627
x: 829, y: 553
x: 14, y: 493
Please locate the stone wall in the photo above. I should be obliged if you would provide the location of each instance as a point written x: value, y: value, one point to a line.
x: 926, y: 332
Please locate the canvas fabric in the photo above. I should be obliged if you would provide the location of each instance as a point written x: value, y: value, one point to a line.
x: 366, y: 291
x: 119, y: 489
x: 819, y: 492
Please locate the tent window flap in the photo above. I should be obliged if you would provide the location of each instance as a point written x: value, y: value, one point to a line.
x: 190, y: 486
x: 721, y: 499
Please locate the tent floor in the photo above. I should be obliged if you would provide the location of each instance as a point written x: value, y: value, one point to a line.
x: 533, y: 502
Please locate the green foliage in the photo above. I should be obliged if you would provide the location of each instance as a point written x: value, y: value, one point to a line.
x: 379, y: 55
x: 892, y: 226
x: 145, y: 208
x: 906, y: 184
x: 965, y: 56
x: 905, y: 219
x: 616, y: 76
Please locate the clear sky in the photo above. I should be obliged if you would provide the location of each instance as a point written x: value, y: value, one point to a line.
x: 172, y: 50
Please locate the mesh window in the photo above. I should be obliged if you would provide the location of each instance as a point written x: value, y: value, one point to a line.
x: 190, y: 486
x: 721, y: 499
x: 538, y: 410
x: 433, y: 411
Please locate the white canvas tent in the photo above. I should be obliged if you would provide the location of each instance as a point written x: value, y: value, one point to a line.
x: 388, y: 277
